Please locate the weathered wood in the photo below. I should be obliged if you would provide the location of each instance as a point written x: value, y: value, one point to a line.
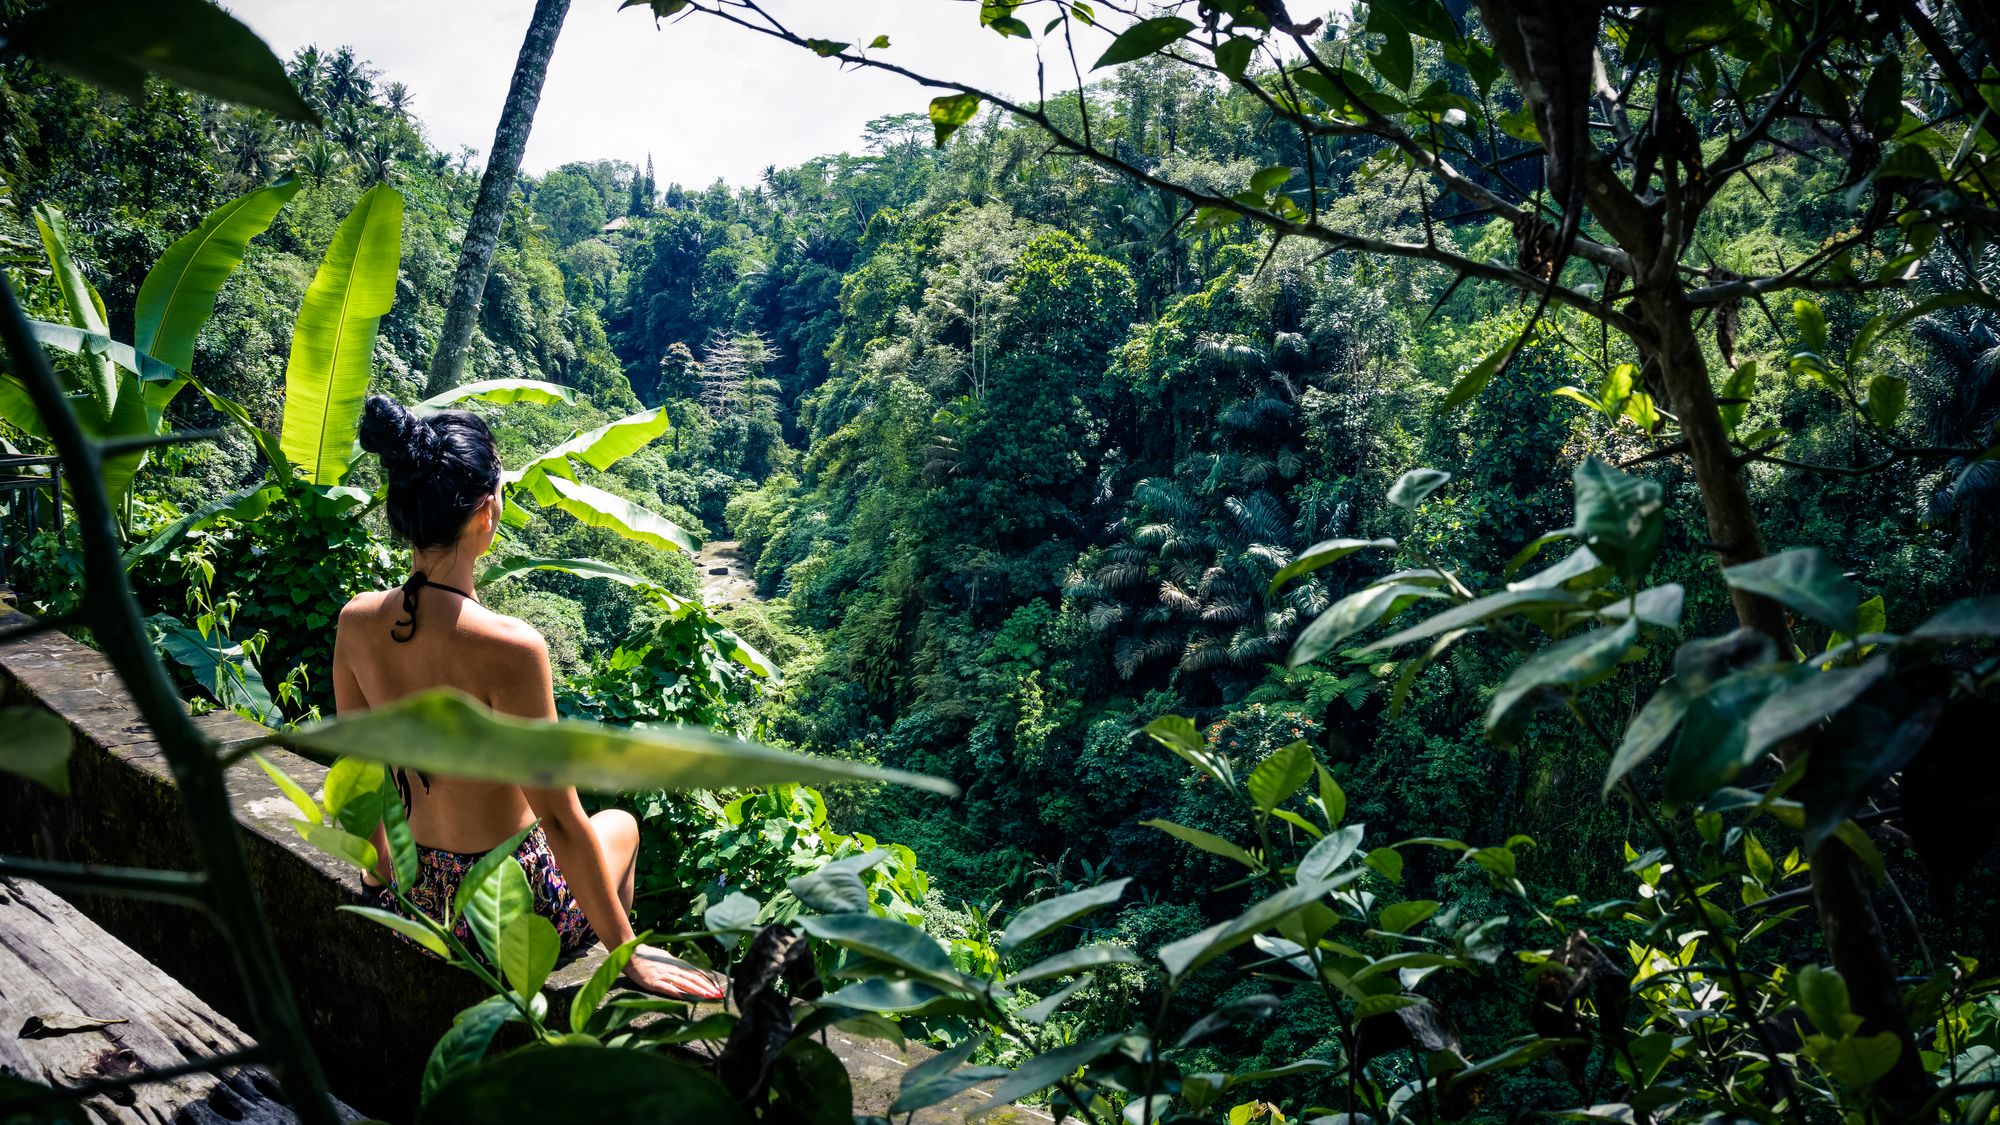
x: 56, y: 964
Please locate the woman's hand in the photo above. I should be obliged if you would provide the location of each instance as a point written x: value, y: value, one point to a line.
x: 656, y: 972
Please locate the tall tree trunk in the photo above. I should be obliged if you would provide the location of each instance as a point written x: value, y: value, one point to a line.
x: 1847, y: 919
x: 482, y: 233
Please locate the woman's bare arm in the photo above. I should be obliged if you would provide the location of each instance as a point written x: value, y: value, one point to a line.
x: 578, y: 853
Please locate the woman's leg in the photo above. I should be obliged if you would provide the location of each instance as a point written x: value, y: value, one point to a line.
x: 618, y: 834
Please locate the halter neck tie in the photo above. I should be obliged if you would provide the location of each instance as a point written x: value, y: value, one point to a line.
x: 417, y: 581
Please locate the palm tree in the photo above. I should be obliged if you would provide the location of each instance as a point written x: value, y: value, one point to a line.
x: 349, y: 81
x: 1185, y: 580
x: 308, y: 73
x: 318, y: 161
x: 251, y: 152
x: 482, y: 232
x: 350, y: 132
x: 397, y: 100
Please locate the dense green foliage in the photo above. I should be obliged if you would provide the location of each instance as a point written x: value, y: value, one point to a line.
x: 1026, y: 460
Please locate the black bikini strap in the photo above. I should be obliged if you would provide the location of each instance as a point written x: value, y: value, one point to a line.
x: 417, y: 581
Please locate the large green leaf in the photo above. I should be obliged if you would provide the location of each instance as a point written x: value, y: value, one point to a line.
x: 1280, y: 775
x: 1968, y: 619
x: 476, y: 875
x: 883, y: 939
x: 581, y: 1085
x: 1206, y: 841
x: 513, y: 566
x: 595, y: 507
x: 1325, y: 553
x: 86, y: 309
x: 267, y: 444
x: 76, y: 341
x: 115, y: 405
x: 836, y: 888
x: 416, y: 931
x: 333, y: 341
x: 529, y: 946
x: 1047, y: 1069
x: 1075, y: 961
x: 472, y: 1031
x: 1327, y: 856
x: 178, y: 294
x: 1194, y: 951
x: 499, y: 899
x: 1480, y: 610
x: 1874, y: 735
x: 1647, y: 731
x: 115, y: 44
x: 600, y: 448
x: 446, y: 732
x: 942, y: 1076
x: 1803, y: 579
x: 35, y: 744
x: 1360, y: 610
x: 584, y: 1004
x: 219, y: 665
x: 1711, y: 749
x: 244, y: 503
x: 949, y: 112
x: 502, y: 392
x: 1568, y: 665
x: 1806, y: 700
x: 1041, y: 918
x: 17, y: 406
x: 1413, y: 487
x: 1142, y: 39
x: 1620, y: 517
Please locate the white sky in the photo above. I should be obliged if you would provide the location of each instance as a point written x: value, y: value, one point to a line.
x: 705, y: 98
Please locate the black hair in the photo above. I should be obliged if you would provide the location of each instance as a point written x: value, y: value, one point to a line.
x: 440, y: 468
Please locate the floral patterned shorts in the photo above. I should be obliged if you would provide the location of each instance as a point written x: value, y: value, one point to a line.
x: 439, y: 873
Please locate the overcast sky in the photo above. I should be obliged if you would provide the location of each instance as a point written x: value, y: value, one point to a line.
x: 706, y: 99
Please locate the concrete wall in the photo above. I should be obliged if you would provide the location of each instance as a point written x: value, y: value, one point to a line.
x: 375, y: 1004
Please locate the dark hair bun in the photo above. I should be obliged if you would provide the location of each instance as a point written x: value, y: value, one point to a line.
x: 405, y: 442
x: 440, y: 468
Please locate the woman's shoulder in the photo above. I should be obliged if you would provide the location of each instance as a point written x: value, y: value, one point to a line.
x: 364, y: 606
x: 503, y: 633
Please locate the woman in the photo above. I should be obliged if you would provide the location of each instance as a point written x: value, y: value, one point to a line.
x: 444, y: 498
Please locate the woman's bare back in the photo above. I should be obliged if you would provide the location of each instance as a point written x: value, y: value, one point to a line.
x: 457, y: 643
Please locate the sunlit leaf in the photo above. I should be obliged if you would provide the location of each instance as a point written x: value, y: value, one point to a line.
x: 1143, y: 38
x: 179, y: 292
x: 950, y: 112
x: 502, y: 392
x: 333, y: 341
x: 1360, y: 610
x: 1414, y: 486
x: 416, y: 931
x: 446, y: 732
x: 1280, y: 775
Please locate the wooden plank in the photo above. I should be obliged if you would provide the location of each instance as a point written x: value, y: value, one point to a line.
x: 57, y: 965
